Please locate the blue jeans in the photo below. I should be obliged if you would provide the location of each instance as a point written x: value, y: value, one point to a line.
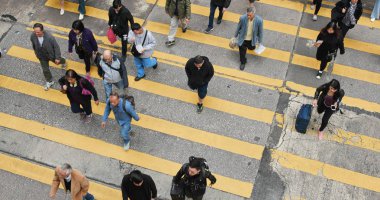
x: 88, y: 196
x: 124, y: 132
x: 82, y: 7
x: 140, y: 63
x: 108, y: 87
x: 212, y: 14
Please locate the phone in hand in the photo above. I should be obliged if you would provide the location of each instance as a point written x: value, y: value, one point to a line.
x: 333, y: 107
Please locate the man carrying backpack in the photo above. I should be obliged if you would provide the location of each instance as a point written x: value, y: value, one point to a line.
x: 123, y: 109
x: 113, y: 72
x: 192, y: 176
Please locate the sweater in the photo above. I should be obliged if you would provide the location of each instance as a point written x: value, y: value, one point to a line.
x: 119, y: 21
x: 198, y: 77
x: 49, y: 50
x: 146, y: 191
x: 149, y: 44
x: 88, y: 41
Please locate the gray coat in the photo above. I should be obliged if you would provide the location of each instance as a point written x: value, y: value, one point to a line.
x: 50, y: 48
x: 241, y: 30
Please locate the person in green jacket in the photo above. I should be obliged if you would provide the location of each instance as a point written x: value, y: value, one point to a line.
x: 179, y: 12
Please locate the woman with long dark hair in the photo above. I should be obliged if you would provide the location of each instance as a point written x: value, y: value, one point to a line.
x: 79, y: 91
x: 84, y: 41
x: 327, y: 97
x: 328, y: 42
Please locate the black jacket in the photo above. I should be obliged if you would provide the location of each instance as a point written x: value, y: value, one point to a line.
x: 119, y: 21
x: 337, y: 15
x: 146, y: 191
x: 194, y: 185
x: 224, y: 3
x: 338, y: 96
x: 82, y: 82
x: 197, y: 78
x: 330, y: 44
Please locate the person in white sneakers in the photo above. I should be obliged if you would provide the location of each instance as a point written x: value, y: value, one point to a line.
x: 376, y: 11
x: 81, y: 8
x: 316, y: 5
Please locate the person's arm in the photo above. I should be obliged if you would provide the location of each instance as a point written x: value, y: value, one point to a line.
x: 107, y: 111
x: 110, y: 18
x: 319, y: 90
x: 124, y: 188
x: 188, y: 9
x: 54, y: 185
x: 261, y: 30
x: 71, y: 42
x: 57, y: 50
x: 358, y: 12
x: 227, y: 3
x: 130, y: 36
x: 92, y: 40
x: 152, y: 186
x: 84, y: 184
x: 62, y: 81
x: 151, y: 43
x: 238, y: 27
x: 179, y: 174
x: 130, y: 18
x: 210, y: 177
x: 31, y: 40
x: 210, y: 73
x: 131, y: 111
x: 187, y: 68
x: 320, y: 37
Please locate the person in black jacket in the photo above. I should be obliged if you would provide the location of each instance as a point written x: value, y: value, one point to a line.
x: 193, y: 177
x: 327, y: 97
x: 328, y: 42
x: 199, y: 71
x: 138, y: 186
x: 119, y: 16
x: 73, y: 85
x: 222, y: 5
x: 347, y: 13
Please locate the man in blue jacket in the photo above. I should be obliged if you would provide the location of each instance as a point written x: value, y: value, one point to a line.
x: 124, y: 112
x: 249, y: 32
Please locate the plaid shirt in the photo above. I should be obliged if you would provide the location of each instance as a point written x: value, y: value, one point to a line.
x: 349, y: 18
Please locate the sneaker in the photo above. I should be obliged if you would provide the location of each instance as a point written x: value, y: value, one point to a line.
x: 373, y: 19
x: 139, y: 78
x: 320, y: 135
x: 315, y: 17
x: 82, y: 116
x: 126, y: 146
x: 62, y: 11
x: 155, y: 66
x: 88, y: 119
x: 170, y: 43
x: 64, y: 65
x: 242, y: 66
x: 208, y: 30
x: 48, y: 85
x: 219, y: 21
x: 199, y: 108
x: 184, y: 30
x: 81, y: 16
x: 319, y: 75
x: 312, y: 7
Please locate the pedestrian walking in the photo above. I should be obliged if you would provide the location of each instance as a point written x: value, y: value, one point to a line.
x: 143, y: 43
x: 248, y: 32
x: 79, y: 91
x: 250, y: 3
x: 347, y: 14
x: 124, y: 111
x: 180, y: 13
x: 46, y: 49
x: 119, y: 16
x: 71, y: 180
x: 199, y: 71
x: 328, y: 42
x: 192, y: 176
x: 317, y: 6
x: 81, y: 8
x: 113, y: 72
x: 375, y: 11
x: 138, y: 186
x: 328, y: 98
x: 222, y: 5
x: 84, y: 42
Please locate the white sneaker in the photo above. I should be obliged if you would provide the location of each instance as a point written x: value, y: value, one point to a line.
x: 126, y: 146
x: 48, y: 85
x: 81, y: 16
x: 315, y: 17
x: 312, y: 7
x: 62, y: 11
x: 373, y: 19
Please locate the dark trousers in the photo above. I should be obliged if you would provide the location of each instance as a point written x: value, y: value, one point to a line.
x: 344, y: 29
x: 323, y: 64
x: 318, y: 4
x: 86, y: 106
x: 87, y: 61
x: 46, y: 69
x: 124, y: 44
x: 196, y: 198
x: 247, y: 44
x: 326, y: 116
x: 82, y: 6
x: 202, y: 90
x: 212, y: 14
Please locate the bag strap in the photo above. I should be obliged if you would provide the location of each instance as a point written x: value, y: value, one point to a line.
x: 124, y: 108
x: 146, y: 33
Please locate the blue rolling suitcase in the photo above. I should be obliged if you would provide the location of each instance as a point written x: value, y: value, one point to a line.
x: 303, y: 118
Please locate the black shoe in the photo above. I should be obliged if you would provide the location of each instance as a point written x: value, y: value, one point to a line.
x: 242, y: 66
x: 155, y: 66
x: 139, y: 78
x: 184, y: 30
x: 208, y: 30
x: 170, y: 43
x: 219, y: 21
x: 199, y: 108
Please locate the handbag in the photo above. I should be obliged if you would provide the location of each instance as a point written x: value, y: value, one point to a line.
x: 134, y: 51
x: 84, y: 90
x: 177, y: 191
x: 233, y: 43
x: 111, y: 36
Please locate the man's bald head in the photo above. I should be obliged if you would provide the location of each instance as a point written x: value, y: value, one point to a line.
x: 107, y: 54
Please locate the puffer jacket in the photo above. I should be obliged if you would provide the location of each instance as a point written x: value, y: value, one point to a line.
x: 184, y: 8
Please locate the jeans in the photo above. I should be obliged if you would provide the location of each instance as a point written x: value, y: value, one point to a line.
x: 318, y: 4
x: 82, y: 7
x: 212, y: 14
x: 247, y: 44
x: 124, y: 132
x: 140, y: 63
x: 326, y: 116
x: 108, y: 87
x: 88, y: 196
x: 46, y: 70
x: 174, y: 22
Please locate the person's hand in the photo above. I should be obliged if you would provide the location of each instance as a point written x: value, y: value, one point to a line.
x: 97, y: 102
x: 344, y: 10
x: 187, y: 20
x: 64, y: 87
x: 317, y: 44
x: 142, y: 51
x: 132, y: 40
x: 103, y: 125
x: 315, y: 101
x: 224, y: 10
x: 57, y: 61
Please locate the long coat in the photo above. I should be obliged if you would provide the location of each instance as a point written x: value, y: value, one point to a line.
x: 79, y: 184
x: 241, y: 30
x: 184, y: 8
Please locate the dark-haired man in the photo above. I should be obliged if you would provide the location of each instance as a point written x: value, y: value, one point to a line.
x: 199, y: 71
x: 138, y: 186
x: 46, y: 49
x: 118, y: 17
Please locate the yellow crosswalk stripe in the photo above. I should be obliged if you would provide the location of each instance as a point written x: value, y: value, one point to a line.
x: 45, y: 175
x: 216, y: 41
x: 252, y: 113
x: 102, y: 148
x: 327, y: 171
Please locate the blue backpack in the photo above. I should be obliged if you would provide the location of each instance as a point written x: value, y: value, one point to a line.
x: 303, y: 118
